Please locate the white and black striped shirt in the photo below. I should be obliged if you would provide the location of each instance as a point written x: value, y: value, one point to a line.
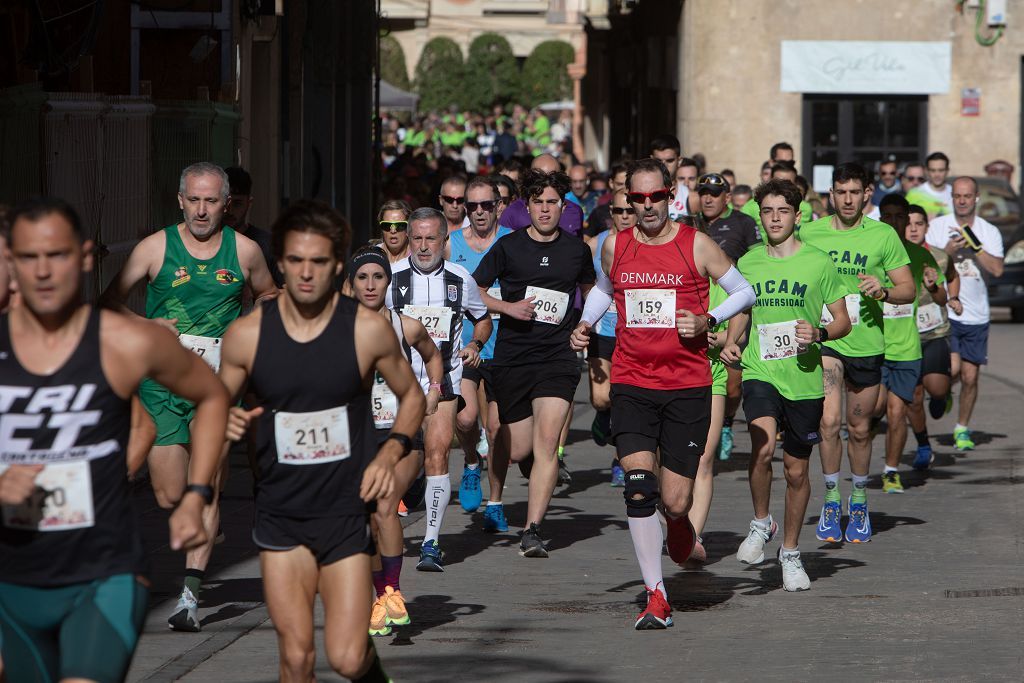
x: 438, y: 299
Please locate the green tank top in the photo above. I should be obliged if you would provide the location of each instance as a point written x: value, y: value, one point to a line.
x: 204, y: 295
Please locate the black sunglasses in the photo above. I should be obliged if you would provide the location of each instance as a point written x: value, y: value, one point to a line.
x: 619, y: 210
x: 487, y: 206
x: 394, y: 226
x: 453, y: 200
x: 914, y: 178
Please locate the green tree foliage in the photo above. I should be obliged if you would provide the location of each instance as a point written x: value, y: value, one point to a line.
x: 492, y: 75
x: 544, y: 77
x: 392, y: 63
x: 439, y: 75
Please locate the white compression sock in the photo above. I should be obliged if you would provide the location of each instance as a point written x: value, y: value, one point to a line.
x: 438, y: 495
x: 648, y: 542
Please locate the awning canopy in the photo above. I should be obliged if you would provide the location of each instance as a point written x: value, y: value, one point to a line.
x: 392, y: 97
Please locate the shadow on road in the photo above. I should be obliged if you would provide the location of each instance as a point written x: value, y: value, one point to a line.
x: 428, y: 612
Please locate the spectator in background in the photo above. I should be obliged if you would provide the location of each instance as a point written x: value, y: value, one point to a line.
x: 782, y: 151
x: 730, y: 176
x: 935, y: 196
x: 505, y: 144
x: 766, y: 171
x: 913, y: 176
x: 887, y: 181
x: 236, y: 216
x: 741, y: 194
x: 600, y: 218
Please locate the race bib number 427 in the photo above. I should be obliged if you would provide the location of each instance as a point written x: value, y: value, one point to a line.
x: 312, y: 438
x: 437, y: 320
x: 62, y: 500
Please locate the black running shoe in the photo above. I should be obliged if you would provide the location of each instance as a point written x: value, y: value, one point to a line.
x: 532, y: 545
x: 564, y: 478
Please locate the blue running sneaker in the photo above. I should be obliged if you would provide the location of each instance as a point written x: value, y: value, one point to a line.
x: 858, y: 529
x: 829, y: 529
x: 923, y: 458
x: 431, y: 558
x: 618, y: 476
x: 725, y: 444
x: 494, y: 518
x: 469, y: 489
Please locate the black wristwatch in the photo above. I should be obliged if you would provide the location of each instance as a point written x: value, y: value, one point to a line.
x: 402, y: 439
x: 205, y: 492
x: 712, y: 321
x: 479, y: 344
x: 885, y: 294
x: 822, y: 334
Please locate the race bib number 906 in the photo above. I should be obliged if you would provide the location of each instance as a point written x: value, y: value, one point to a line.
x: 852, y: 309
x: 778, y: 340
x: 549, y: 306
x: 437, y: 320
x: 207, y: 348
x: 312, y: 438
x: 650, y: 308
x: 62, y: 500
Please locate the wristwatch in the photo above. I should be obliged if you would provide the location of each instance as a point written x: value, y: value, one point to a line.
x: 822, y: 334
x: 402, y: 439
x: 205, y: 492
x: 712, y: 320
x: 479, y: 344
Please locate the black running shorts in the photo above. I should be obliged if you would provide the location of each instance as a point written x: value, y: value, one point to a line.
x: 515, y: 387
x: 860, y: 371
x: 798, y: 419
x: 672, y: 421
x: 329, y: 538
x: 935, y: 357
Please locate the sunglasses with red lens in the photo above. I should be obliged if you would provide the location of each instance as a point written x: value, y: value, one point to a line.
x: 487, y: 206
x: 453, y: 200
x: 655, y: 197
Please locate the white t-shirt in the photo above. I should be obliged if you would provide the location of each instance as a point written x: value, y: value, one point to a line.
x: 678, y: 208
x: 945, y: 195
x: 973, y: 291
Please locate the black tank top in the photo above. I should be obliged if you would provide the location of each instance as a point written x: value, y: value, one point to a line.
x: 81, y: 524
x: 316, y: 434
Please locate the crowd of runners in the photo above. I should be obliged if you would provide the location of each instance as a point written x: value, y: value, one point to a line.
x: 350, y: 370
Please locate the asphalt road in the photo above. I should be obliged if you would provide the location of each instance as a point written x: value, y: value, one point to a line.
x: 937, y: 595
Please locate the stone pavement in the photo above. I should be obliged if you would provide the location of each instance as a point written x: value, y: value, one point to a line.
x: 937, y: 595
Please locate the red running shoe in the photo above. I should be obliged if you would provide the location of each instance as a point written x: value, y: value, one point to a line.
x: 657, y: 615
x: 681, y: 539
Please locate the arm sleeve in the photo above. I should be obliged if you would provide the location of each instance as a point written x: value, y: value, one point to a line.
x: 598, y: 300
x: 741, y: 295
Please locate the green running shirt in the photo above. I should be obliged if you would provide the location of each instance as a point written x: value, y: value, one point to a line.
x: 205, y: 296
x: 787, y: 290
x: 902, y: 340
x: 872, y: 248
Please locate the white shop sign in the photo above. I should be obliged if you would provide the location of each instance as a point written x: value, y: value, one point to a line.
x: 868, y: 67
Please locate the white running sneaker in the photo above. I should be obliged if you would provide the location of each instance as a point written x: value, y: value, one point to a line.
x: 186, y: 613
x: 751, y: 551
x: 482, y: 447
x: 794, y: 578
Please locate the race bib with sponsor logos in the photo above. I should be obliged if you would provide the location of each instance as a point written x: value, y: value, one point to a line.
x: 929, y: 317
x: 549, y: 306
x: 437, y: 320
x: 61, y: 501
x: 312, y: 438
x: 897, y: 310
x: 650, y: 308
x: 778, y: 340
x: 384, y: 402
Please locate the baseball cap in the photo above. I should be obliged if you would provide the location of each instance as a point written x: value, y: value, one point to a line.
x: 712, y: 182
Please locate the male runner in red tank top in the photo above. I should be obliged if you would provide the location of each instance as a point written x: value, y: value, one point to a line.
x: 661, y: 379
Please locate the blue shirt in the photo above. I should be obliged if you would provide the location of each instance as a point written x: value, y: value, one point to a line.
x: 469, y: 258
x: 606, y: 325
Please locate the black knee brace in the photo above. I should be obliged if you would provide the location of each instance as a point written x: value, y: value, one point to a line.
x: 644, y: 484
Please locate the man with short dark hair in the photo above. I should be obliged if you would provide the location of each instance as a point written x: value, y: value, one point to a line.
x: 236, y: 215
x: 782, y: 151
x: 865, y: 252
x: 452, y: 200
x: 888, y: 181
x: 601, y: 218
x: 936, y: 195
x: 667, y: 150
x: 517, y: 215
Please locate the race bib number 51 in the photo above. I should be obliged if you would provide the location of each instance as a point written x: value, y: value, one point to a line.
x: 312, y: 438
x: 207, y: 348
x: 929, y: 317
x: 650, y: 307
x: 437, y: 320
x: 549, y: 306
x: 62, y: 500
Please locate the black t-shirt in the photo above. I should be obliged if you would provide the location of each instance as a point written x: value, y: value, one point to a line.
x: 735, y: 234
x: 518, y: 261
x: 262, y: 239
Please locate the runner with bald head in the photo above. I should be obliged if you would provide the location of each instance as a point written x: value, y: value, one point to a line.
x: 516, y: 216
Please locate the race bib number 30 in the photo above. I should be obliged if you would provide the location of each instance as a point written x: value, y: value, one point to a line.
x: 852, y: 309
x: 62, y: 500
x: 385, y: 404
x: 929, y: 317
x: 312, y: 438
x: 437, y: 320
x: 650, y: 307
x: 549, y: 306
x: 778, y: 340
x: 207, y: 348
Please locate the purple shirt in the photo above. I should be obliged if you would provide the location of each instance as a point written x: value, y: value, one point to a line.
x: 516, y: 217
